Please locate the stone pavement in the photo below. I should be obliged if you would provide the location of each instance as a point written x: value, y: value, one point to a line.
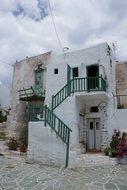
x: 15, y: 173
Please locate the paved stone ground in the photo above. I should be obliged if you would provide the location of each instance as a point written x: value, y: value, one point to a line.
x: 15, y: 173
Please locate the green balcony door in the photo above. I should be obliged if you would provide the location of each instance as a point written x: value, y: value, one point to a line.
x: 68, y: 73
x: 92, y: 77
x: 39, y: 81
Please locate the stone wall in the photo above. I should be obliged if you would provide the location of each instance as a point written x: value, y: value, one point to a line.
x: 121, y: 84
x: 3, y: 127
x: 23, y: 77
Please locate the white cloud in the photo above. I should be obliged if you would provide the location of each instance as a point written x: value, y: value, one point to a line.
x: 7, y: 5
x: 79, y: 24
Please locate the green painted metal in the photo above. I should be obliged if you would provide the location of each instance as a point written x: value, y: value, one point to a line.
x: 60, y: 128
x: 34, y: 112
x: 68, y: 73
x: 57, y: 125
x: 39, y: 81
x: 26, y: 92
x: 78, y: 85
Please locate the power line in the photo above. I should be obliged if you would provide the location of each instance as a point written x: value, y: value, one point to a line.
x: 50, y: 8
x: 2, y: 61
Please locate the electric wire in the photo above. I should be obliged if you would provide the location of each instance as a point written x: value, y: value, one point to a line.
x: 58, y: 39
x: 2, y: 61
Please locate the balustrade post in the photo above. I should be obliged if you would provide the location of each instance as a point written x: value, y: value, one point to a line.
x: 45, y: 115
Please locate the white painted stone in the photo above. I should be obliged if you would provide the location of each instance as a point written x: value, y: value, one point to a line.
x: 44, y: 145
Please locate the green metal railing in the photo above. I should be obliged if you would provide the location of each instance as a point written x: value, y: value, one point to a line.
x: 28, y: 92
x: 56, y: 124
x: 60, y: 128
x: 35, y: 112
x: 78, y: 85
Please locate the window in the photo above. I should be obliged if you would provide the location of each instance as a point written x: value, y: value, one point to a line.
x: 75, y: 72
x: 94, y: 109
x: 55, y: 71
x: 91, y: 125
x: 37, y: 78
x: 39, y: 73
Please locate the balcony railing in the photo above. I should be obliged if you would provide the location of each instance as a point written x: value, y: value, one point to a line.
x: 35, y: 112
x: 90, y: 84
x: 56, y: 124
x: 29, y: 94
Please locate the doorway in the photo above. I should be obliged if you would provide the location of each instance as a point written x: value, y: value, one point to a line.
x: 93, y: 77
x: 93, y: 134
x: 39, y: 74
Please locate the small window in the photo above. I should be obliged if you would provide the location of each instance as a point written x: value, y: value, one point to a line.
x: 91, y: 125
x: 94, y: 109
x: 55, y: 71
x: 75, y: 72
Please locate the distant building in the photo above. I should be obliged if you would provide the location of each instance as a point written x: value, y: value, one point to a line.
x: 5, y: 96
x: 121, y: 84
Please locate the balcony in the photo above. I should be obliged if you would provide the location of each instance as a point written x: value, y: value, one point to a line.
x: 78, y: 85
x: 31, y: 94
x: 88, y: 84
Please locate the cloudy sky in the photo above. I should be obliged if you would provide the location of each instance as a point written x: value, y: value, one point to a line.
x: 26, y: 28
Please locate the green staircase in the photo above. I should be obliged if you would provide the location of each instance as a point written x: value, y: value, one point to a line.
x: 48, y: 116
x: 90, y: 84
x: 60, y: 128
x: 56, y: 124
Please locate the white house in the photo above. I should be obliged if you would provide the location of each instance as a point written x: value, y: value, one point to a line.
x: 65, y: 105
x: 79, y: 105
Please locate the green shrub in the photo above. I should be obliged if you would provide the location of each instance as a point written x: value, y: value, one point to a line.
x: 12, y: 144
x: 2, y: 135
x: 107, y: 151
x: 2, y: 118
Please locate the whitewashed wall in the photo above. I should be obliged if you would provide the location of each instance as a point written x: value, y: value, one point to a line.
x: 68, y: 110
x: 81, y: 59
x: 41, y: 140
x: 44, y: 145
